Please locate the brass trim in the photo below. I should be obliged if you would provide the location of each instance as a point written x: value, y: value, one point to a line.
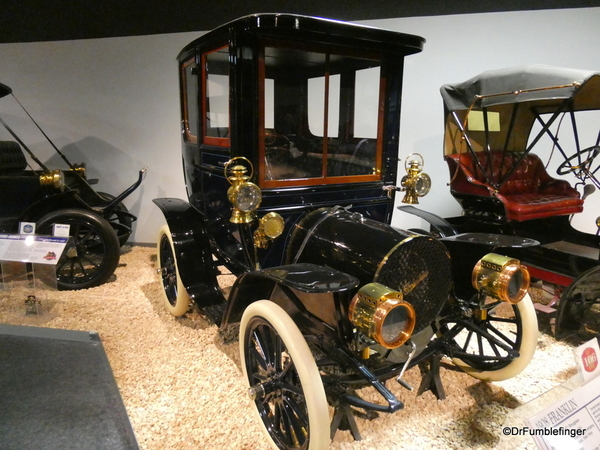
x: 53, y: 179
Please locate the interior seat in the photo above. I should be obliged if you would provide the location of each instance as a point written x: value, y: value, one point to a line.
x: 529, y: 193
x: 12, y: 159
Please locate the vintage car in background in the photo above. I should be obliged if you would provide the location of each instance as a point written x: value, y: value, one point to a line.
x: 502, y: 129
x: 98, y: 222
x: 290, y: 130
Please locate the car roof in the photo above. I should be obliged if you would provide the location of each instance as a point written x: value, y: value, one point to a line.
x: 313, y: 29
x: 532, y: 83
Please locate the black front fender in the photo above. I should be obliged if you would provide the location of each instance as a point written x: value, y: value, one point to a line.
x: 298, y: 285
x: 193, y: 253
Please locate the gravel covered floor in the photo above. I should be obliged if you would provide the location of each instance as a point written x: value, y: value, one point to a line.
x: 182, y: 386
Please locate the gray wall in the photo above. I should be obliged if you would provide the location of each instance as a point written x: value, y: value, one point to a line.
x: 113, y: 102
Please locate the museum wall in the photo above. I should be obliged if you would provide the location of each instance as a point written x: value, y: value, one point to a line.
x: 113, y: 102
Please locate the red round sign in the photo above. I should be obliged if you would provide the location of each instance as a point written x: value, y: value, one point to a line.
x: 590, y: 360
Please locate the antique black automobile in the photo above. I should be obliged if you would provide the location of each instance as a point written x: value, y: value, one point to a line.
x: 290, y: 131
x: 98, y: 222
x: 502, y: 129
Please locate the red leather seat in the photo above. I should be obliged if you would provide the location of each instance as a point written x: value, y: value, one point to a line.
x: 529, y: 193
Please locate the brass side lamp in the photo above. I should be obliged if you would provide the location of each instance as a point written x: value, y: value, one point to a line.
x: 244, y: 195
x: 416, y: 183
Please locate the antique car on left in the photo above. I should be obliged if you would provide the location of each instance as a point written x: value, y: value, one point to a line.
x: 290, y: 133
x: 99, y: 223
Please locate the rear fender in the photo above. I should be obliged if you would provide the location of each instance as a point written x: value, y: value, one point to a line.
x: 195, y: 265
x: 64, y: 200
x: 316, y: 297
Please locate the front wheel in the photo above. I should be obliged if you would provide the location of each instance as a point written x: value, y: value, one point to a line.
x: 482, y: 354
x: 176, y: 297
x: 285, y: 385
x: 96, y: 251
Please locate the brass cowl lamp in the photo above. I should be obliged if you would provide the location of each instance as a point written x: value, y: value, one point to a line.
x: 244, y: 195
x: 416, y: 183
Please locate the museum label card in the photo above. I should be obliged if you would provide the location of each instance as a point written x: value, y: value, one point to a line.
x: 31, y: 249
x: 571, y: 423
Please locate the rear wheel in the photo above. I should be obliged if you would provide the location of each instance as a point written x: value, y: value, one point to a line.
x: 483, y: 347
x: 285, y: 385
x: 176, y: 297
x: 96, y: 251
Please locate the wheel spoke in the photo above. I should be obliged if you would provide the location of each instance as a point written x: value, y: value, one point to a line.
x: 494, y: 348
x: 292, y: 389
x: 260, y: 338
x: 297, y: 409
x: 502, y: 319
x: 294, y: 425
x: 467, y: 340
x: 258, y: 356
x: 501, y: 335
x: 278, y: 350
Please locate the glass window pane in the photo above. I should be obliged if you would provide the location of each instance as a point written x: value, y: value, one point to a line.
x: 269, y: 103
x: 190, y: 85
x: 316, y: 106
x: 217, y: 94
x: 366, y: 105
x: 292, y: 149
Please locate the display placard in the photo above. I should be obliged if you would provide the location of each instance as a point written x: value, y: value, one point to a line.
x: 31, y: 249
x: 586, y: 356
x: 572, y: 422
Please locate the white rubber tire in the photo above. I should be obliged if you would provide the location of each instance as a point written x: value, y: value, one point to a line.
x: 182, y: 301
x: 527, y: 349
x: 310, y: 379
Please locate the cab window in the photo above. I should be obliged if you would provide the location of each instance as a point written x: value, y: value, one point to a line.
x: 215, y: 97
x: 189, y: 84
x: 321, y: 116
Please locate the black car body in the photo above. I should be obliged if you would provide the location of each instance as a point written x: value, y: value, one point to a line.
x: 290, y: 130
x: 99, y: 222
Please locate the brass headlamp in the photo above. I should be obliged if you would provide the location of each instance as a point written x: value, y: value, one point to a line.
x: 501, y: 277
x: 53, y: 179
x: 416, y: 183
x: 243, y: 195
x: 382, y: 314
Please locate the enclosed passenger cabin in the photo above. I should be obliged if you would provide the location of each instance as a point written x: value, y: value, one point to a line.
x: 313, y: 104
